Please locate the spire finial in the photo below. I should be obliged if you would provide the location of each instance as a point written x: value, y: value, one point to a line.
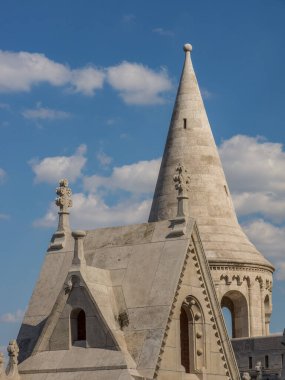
x: 182, y: 181
x: 13, y: 352
x: 63, y: 201
x: 187, y: 47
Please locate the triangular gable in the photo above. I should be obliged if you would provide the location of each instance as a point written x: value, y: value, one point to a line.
x: 210, y: 351
x: 57, y: 333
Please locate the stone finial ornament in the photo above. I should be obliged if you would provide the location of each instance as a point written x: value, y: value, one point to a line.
x: 181, y: 180
x: 187, y: 47
x: 246, y: 376
x: 182, y: 183
x: 13, y: 352
x: 63, y: 201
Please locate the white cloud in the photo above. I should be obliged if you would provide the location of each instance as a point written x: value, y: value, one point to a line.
x: 4, y: 216
x: 256, y: 175
x: 90, y: 211
x: 128, y: 18
x: 252, y: 163
x: 136, y: 178
x: 20, y: 71
x: 43, y: 113
x: 270, y: 240
x: 2, y: 175
x: 87, y: 80
x: 103, y: 158
x: 206, y: 94
x: 138, y: 84
x: 163, y: 32
x: 52, y: 169
x: 15, y: 317
x: 271, y: 205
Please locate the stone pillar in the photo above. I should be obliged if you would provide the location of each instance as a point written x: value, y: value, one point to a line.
x: 251, y: 317
x: 262, y: 307
x: 78, y: 258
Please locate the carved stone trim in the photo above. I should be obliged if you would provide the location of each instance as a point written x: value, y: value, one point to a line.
x: 157, y: 367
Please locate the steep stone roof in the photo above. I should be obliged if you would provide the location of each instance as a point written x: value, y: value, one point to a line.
x: 190, y: 142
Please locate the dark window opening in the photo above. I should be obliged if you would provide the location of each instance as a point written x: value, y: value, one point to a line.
x: 266, y: 361
x: 184, y: 341
x: 184, y: 123
x: 81, y: 326
x: 250, y: 362
x: 78, y: 325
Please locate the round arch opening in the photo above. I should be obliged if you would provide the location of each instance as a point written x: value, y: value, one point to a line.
x: 236, y: 305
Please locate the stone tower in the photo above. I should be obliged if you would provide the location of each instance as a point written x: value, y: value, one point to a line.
x: 242, y: 276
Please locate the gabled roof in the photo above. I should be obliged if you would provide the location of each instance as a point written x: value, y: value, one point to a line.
x: 132, y: 275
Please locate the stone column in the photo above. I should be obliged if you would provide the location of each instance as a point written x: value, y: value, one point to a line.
x: 251, y: 319
x: 78, y: 258
x: 262, y: 308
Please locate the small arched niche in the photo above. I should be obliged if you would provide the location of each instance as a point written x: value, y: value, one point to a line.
x: 78, y: 326
x: 237, y: 307
x: 267, y: 312
x: 192, y: 336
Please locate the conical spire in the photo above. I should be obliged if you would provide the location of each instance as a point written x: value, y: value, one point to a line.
x: 191, y: 143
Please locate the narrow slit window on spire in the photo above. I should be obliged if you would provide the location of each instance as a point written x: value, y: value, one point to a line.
x: 184, y: 123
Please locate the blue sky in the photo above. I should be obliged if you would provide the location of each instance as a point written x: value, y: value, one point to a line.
x: 68, y: 107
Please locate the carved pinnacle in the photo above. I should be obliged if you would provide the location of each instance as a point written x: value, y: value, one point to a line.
x: 181, y: 179
x: 63, y: 201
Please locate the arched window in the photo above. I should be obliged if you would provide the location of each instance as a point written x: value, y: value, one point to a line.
x: 228, y: 313
x: 267, y: 312
x: 184, y: 341
x: 236, y: 303
x: 78, y: 325
x: 192, y: 336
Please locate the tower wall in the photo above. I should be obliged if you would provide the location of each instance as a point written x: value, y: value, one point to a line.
x: 190, y: 142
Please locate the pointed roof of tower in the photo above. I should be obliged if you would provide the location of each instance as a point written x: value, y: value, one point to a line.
x: 190, y: 142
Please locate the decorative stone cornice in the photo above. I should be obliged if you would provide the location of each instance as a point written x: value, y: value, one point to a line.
x: 215, y: 266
